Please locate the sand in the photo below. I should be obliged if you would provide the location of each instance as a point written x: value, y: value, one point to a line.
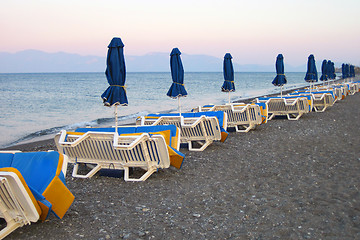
x: 283, y: 180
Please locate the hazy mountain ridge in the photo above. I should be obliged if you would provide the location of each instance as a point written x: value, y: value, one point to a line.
x: 30, y: 61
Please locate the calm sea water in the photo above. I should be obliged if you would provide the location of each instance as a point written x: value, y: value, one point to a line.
x: 38, y: 105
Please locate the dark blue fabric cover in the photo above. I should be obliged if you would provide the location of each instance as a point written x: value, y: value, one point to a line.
x: 280, y: 78
x: 331, y: 70
x: 311, y: 73
x: 177, y: 88
x: 228, y: 70
x: 324, y: 70
x: 115, y: 74
x: 352, y: 71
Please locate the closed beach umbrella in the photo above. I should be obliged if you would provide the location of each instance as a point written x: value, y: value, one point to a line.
x: 352, y: 71
x: 324, y: 70
x: 228, y: 70
x: 177, y: 88
x: 311, y: 73
x: 115, y: 73
x: 347, y: 70
x: 343, y: 71
x: 280, y: 78
x: 332, y: 70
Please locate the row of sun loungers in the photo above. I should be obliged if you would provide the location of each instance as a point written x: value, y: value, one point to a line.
x: 32, y: 185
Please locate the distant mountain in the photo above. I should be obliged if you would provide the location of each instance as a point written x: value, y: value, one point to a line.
x: 30, y: 61
x: 38, y: 61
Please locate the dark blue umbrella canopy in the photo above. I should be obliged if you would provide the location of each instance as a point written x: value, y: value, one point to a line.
x: 177, y: 88
x: 352, y: 71
x: 115, y: 73
x: 347, y: 70
x: 343, y: 70
x: 324, y: 70
x: 331, y: 70
x: 311, y: 73
x: 280, y: 78
x: 228, y: 69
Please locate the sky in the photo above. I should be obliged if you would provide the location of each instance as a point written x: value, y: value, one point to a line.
x: 254, y: 32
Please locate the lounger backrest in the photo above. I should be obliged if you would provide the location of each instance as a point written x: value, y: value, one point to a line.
x: 99, y: 146
x: 17, y: 197
x: 212, y: 120
x: 171, y: 131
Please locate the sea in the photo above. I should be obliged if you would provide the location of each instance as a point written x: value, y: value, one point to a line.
x: 36, y: 106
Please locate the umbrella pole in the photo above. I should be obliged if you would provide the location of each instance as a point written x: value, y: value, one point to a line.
x: 116, y: 119
x: 229, y: 96
x: 281, y: 91
x: 179, y: 106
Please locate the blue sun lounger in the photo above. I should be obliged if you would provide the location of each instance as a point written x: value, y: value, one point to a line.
x: 201, y: 127
x: 149, y: 148
x: 32, y: 185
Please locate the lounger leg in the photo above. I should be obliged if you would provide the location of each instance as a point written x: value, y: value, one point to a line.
x: 271, y: 116
x: 293, y: 119
x: 88, y: 175
x: 143, y: 177
x: 11, y: 225
x: 319, y: 109
x: 205, y: 145
x: 247, y: 128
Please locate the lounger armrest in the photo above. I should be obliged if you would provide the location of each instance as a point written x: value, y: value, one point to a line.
x: 136, y: 141
x: 247, y: 106
x: 63, y: 142
x: 194, y: 124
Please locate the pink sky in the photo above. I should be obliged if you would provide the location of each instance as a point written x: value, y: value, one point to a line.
x: 254, y: 32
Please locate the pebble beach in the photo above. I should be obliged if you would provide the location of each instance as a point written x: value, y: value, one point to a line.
x: 283, y: 180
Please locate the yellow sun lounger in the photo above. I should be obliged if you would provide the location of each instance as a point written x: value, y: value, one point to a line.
x: 292, y: 107
x: 114, y: 151
x: 243, y: 117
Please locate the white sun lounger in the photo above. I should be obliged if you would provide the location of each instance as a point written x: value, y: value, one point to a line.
x: 321, y: 99
x: 32, y: 185
x: 110, y: 150
x: 352, y: 88
x: 194, y: 127
x: 339, y: 91
x: 292, y: 107
x: 16, y: 205
x: 243, y: 117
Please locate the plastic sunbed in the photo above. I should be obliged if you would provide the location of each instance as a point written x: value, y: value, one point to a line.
x: 321, y: 99
x: 202, y: 127
x: 243, y: 117
x: 31, y: 186
x: 123, y: 150
x: 292, y: 107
